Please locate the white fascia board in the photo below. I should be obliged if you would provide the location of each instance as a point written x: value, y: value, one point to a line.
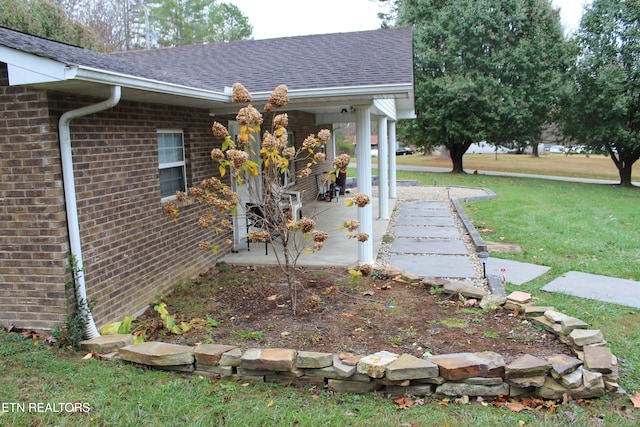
x: 127, y: 81
x: 398, y: 90
x: 24, y: 68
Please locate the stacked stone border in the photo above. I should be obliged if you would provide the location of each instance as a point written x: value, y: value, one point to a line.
x: 589, y: 371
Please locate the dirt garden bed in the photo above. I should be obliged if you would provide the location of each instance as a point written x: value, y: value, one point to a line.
x: 249, y: 307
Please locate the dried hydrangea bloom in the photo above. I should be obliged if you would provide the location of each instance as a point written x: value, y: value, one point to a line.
x: 318, y: 246
x: 259, y: 236
x: 281, y: 120
x: 197, y: 193
x: 219, y: 131
x: 204, y: 245
x: 268, y: 141
x: 324, y: 135
x: 353, y: 225
x: 211, y: 183
x: 237, y: 158
x: 205, y: 222
x: 239, y: 94
x: 182, y: 197
x: 305, y: 173
x: 170, y: 209
x: 363, y: 237
x: 249, y: 116
x: 282, y: 138
x: 217, y: 154
x: 289, y: 153
x: 268, y: 107
x: 360, y: 200
x: 279, y: 97
x: 310, y: 142
x: 211, y: 199
x: 226, y: 223
x: 342, y: 161
x: 320, y: 236
x: 366, y: 269
x: 306, y: 225
x: 319, y: 157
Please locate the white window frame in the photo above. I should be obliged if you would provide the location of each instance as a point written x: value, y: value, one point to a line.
x: 176, y: 164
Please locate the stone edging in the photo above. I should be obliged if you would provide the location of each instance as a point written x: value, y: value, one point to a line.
x: 590, y: 372
x: 478, y: 241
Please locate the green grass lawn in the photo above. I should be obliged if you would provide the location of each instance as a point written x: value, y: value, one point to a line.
x: 566, y: 226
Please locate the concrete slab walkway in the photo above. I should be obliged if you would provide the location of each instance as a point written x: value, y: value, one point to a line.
x: 600, y: 288
x: 428, y: 243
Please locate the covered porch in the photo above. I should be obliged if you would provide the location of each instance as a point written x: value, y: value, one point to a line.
x: 338, y: 251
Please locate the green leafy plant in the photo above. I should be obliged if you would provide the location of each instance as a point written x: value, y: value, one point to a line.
x: 169, y: 322
x: 490, y: 334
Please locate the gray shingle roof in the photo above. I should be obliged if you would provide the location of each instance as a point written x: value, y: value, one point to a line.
x: 378, y: 57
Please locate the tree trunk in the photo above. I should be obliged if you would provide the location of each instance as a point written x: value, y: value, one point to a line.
x: 457, y: 152
x: 625, y: 174
x: 534, y: 149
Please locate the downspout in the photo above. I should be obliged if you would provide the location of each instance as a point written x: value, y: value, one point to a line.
x: 70, y: 197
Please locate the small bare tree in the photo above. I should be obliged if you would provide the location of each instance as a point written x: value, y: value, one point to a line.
x: 270, y: 209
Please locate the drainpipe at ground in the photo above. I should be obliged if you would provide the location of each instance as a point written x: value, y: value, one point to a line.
x: 70, y: 197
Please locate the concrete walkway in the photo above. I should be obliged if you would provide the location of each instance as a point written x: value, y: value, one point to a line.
x: 428, y: 243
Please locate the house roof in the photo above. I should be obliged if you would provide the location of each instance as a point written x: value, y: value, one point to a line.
x: 331, y: 69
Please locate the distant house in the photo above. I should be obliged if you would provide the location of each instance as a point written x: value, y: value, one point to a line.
x: 92, y: 144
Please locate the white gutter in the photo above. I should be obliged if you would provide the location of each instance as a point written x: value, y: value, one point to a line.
x: 70, y: 197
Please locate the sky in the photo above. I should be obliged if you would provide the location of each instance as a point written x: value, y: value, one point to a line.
x: 286, y: 18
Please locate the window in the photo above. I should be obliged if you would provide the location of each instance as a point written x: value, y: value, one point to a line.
x: 171, y: 163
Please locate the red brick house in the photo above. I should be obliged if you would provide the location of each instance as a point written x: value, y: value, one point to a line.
x: 91, y: 145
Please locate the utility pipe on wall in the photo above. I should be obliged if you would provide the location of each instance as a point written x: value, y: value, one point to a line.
x: 68, y: 178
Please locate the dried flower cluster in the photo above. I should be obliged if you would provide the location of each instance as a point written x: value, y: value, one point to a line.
x: 279, y: 98
x: 306, y: 225
x: 281, y: 120
x: 324, y: 135
x: 363, y: 237
x: 320, y: 236
x: 219, y: 131
x: 239, y: 94
x: 259, y: 236
x: 237, y: 157
x: 353, y: 225
x: 360, y: 200
x: 217, y: 154
x: 319, y: 157
x: 365, y: 269
x: 342, y: 161
x: 249, y: 116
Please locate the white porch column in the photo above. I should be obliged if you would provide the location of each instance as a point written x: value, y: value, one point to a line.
x: 383, y: 169
x: 363, y: 155
x: 393, y: 146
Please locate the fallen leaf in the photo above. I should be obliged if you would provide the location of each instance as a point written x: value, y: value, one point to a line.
x: 515, y: 406
x: 346, y: 315
x: 87, y: 356
x: 385, y: 287
x: 636, y: 400
x: 403, y: 402
x: 270, y: 404
x: 272, y: 298
x: 367, y: 293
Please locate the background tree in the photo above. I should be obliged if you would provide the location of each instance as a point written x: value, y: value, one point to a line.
x: 45, y: 19
x: 227, y: 23
x: 187, y: 22
x: 484, y: 70
x: 121, y: 24
x: 602, y: 106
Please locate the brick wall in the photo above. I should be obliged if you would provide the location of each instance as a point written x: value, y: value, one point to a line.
x: 132, y: 252
x: 33, y: 236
